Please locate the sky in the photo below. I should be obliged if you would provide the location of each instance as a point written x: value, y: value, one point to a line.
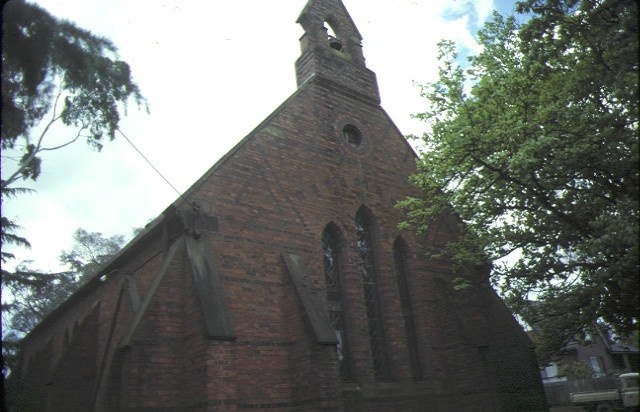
x: 211, y: 71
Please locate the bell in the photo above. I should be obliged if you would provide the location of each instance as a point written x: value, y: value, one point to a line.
x: 334, y: 43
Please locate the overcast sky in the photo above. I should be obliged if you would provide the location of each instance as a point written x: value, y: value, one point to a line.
x: 212, y: 71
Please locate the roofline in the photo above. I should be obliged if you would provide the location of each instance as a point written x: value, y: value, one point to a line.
x: 151, y: 231
x: 180, y: 200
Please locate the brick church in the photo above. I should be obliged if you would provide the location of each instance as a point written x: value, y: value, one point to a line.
x: 280, y: 281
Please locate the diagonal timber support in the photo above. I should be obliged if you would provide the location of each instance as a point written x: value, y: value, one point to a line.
x: 214, y: 306
x: 142, y: 307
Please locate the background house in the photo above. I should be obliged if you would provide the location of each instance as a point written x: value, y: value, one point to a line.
x: 598, y: 356
x: 591, y: 364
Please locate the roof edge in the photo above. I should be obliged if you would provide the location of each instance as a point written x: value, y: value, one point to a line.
x: 151, y: 231
x: 222, y: 160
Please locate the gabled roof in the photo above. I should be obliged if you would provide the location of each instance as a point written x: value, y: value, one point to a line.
x: 621, y: 348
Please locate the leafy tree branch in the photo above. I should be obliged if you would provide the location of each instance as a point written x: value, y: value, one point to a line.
x: 54, y: 72
x: 30, y: 295
x: 535, y: 147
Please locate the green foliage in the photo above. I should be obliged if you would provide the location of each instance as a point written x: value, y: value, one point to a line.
x: 30, y: 295
x: 461, y: 284
x: 54, y: 72
x: 579, y: 370
x: 90, y: 251
x: 35, y: 294
x: 44, y: 60
x: 535, y: 147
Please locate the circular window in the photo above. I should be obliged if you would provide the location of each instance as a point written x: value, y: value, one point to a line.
x: 352, y: 135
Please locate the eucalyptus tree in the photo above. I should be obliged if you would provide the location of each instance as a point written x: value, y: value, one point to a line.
x: 29, y: 295
x: 54, y: 72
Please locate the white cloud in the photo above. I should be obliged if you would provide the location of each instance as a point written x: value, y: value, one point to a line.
x: 484, y: 9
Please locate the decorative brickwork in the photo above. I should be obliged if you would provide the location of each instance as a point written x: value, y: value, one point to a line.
x: 222, y: 307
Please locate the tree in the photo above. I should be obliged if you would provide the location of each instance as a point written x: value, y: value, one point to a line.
x: 90, y: 251
x: 34, y: 294
x: 535, y: 147
x: 579, y: 370
x: 54, y: 72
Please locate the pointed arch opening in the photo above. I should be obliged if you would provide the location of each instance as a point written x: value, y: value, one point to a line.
x: 334, y: 39
x: 366, y: 264
x: 400, y: 258
x: 331, y: 251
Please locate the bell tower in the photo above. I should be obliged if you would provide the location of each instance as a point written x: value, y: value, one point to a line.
x: 332, y: 51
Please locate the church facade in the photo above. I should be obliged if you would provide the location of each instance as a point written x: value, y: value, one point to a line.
x: 281, y: 281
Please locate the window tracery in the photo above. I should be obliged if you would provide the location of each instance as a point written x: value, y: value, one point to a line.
x: 372, y: 302
x: 399, y: 257
x: 330, y: 249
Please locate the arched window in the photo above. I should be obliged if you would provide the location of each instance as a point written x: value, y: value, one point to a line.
x: 399, y: 258
x: 374, y: 317
x: 330, y: 248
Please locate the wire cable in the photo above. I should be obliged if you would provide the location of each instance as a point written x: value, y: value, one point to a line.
x: 151, y: 164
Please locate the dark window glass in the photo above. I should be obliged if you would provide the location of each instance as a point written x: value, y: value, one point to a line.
x: 352, y: 135
x: 374, y: 318
x: 399, y: 256
x: 334, y: 300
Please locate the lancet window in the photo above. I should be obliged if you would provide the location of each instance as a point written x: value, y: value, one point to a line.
x: 330, y: 246
x: 372, y: 301
x: 400, y: 258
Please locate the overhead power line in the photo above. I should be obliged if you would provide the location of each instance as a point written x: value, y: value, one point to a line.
x: 151, y: 164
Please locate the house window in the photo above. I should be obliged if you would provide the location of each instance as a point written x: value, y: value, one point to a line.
x: 334, y: 301
x: 597, y: 365
x: 618, y: 361
x: 399, y: 257
x: 550, y: 374
x: 374, y: 318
